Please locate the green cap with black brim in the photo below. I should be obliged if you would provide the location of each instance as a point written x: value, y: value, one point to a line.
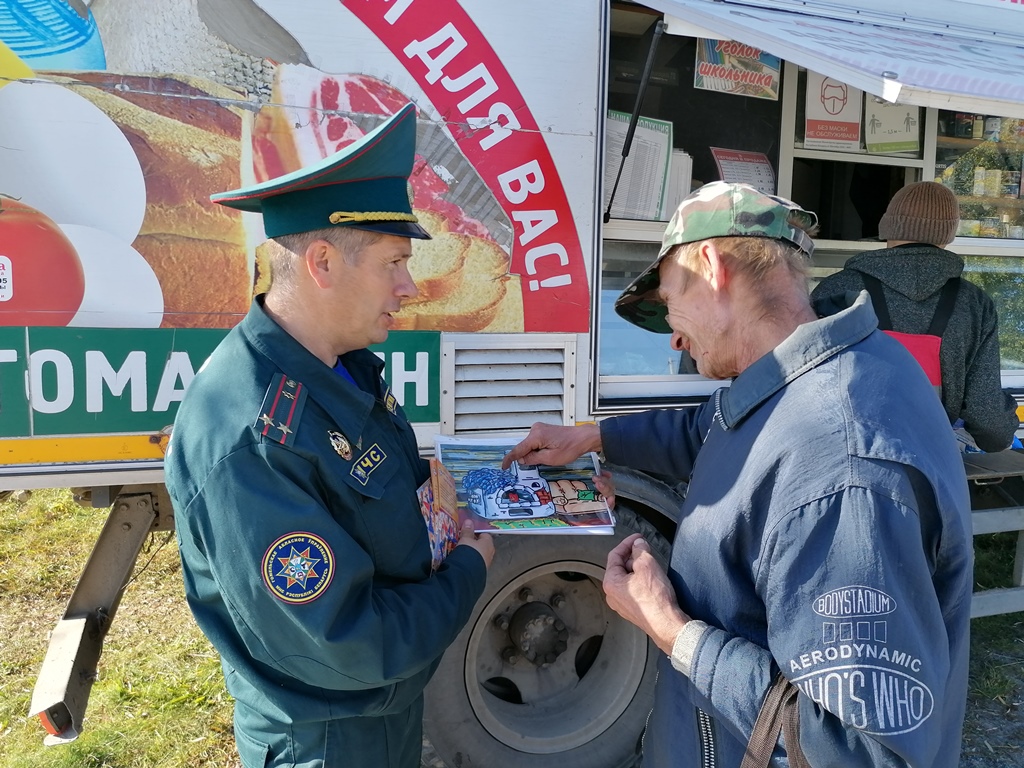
x: 718, y: 209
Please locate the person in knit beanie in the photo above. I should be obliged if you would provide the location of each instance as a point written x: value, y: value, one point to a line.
x: 925, y: 212
x: 908, y: 278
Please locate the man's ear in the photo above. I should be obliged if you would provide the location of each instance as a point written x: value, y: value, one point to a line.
x: 320, y: 259
x: 713, y: 265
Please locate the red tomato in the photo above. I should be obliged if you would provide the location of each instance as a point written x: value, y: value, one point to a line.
x: 41, y: 278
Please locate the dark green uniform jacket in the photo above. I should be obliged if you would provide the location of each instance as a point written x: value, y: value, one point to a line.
x: 304, y: 553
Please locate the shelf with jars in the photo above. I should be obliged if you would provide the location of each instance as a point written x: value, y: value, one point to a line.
x: 979, y: 158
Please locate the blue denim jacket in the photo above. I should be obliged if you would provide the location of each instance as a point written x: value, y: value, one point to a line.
x: 826, y: 533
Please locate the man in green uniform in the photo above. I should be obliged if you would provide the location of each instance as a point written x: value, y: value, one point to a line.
x: 293, y: 475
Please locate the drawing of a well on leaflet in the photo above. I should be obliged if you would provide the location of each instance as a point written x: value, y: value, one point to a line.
x: 525, y: 497
x: 517, y: 493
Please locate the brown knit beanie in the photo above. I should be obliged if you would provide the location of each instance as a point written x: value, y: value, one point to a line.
x: 925, y: 212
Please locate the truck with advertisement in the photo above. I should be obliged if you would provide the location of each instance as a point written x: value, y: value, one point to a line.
x: 553, y: 141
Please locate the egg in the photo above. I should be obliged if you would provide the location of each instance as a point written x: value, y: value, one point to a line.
x: 121, y: 290
x: 62, y: 155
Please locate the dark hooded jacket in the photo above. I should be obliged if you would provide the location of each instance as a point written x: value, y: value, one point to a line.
x: 912, y: 277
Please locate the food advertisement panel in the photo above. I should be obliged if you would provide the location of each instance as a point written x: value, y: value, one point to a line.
x: 118, y: 120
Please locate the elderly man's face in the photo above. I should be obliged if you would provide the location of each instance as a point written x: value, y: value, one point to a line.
x: 697, y: 317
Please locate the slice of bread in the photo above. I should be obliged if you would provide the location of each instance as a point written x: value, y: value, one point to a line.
x: 433, y: 222
x: 508, y: 318
x: 461, y: 290
x: 437, y: 265
x: 486, y: 257
x: 470, y: 309
x: 261, y: 274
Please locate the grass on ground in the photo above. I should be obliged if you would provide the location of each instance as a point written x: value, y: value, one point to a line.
x: 160, y: 698
x: 994, y: 727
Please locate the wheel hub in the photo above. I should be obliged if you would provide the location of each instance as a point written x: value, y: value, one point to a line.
x: 539, y: 635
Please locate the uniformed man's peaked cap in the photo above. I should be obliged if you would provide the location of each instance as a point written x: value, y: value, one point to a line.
x: 363, y: 185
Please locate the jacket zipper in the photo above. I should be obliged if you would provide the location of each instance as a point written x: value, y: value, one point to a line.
x: 647, y: 722
x: 707, y: 740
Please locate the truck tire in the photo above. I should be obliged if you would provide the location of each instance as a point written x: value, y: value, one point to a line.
x: 582, y: 701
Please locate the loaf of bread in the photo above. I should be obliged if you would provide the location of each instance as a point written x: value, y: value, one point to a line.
x: 462, y: 274
x: 201, y: 279
x: 187, y: 136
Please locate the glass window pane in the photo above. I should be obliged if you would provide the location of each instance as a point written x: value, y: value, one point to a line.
x: 625, y: 349
x: 1002, y: 278
x: 979, y: 158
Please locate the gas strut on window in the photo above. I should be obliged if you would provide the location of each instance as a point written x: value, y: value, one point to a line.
x: 659, y: 28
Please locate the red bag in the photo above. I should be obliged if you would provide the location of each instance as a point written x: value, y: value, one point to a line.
x: 923, y: 346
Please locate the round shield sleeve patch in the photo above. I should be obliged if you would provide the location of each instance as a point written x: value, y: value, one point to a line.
x: 298, y: 567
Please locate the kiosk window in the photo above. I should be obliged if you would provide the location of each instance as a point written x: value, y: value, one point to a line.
x: 633, y: 363
x: 701, y: 119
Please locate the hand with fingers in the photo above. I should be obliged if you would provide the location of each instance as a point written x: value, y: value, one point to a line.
x: 605, y: 483
x: 637, y: 588
x: 554, y: 445
x: 481, y: 542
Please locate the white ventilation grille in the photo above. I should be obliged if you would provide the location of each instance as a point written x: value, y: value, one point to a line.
x: 493, y: 383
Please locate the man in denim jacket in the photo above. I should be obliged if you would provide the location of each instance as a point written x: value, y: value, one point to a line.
x: 825, y: 541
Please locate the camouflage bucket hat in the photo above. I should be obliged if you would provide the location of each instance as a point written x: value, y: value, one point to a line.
x: 718, y: 209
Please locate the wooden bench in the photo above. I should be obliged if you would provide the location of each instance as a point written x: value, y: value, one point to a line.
x: 992, y: 469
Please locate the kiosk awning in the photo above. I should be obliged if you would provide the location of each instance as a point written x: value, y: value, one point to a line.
x: 964, y: 55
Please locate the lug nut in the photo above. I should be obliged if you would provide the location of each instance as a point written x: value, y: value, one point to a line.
x: 509, y: 655
x: 557, y: 600
x: 501, y: 622
x: 526, y: 595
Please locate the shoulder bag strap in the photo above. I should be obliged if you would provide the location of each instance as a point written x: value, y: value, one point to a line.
x: 874, y: 289
x: 779, y: 711
x: 791, y: 729
x: 947, y: 300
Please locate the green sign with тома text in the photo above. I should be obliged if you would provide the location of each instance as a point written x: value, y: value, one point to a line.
x: 89, y: 381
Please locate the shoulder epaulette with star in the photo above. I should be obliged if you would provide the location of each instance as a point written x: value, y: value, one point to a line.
x: 281, y: 409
